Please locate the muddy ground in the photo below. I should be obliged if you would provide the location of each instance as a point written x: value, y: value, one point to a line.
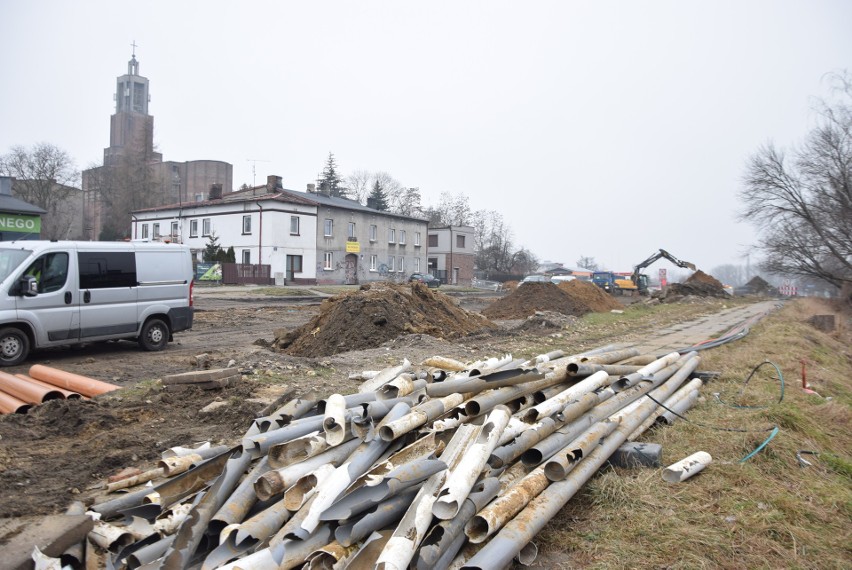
x: 63, y: 450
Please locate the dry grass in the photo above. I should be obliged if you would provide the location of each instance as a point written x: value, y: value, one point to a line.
x: 767, y: 512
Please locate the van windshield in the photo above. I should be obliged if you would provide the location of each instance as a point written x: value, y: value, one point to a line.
x: 10, y: 260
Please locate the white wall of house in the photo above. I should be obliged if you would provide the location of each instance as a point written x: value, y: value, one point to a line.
x: 258, y: 230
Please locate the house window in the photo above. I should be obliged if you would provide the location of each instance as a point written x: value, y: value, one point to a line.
x: 433, y: 240
x: 329, y: 225
x: 417, y: 239
x: 401, y: 265
x: 351, y: 230
x: 205, y: 227
x: 391, y: 236
x: 417, y: 265
x: 246, y: 257
x: 193, y: 228
x: 460, y: 241
x: 294, y: 225
x: 294, y: 263
x: 374, y: 232
x: 328, y: 260
x: 174, y: 228
x: 247, y: 224
x: 374, y: 262
x: 401, y: 237
x: 391, y: 263
x: 144, y: 231
x: 156, y: 231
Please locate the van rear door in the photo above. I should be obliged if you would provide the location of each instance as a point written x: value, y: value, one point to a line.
x: 108, y: 291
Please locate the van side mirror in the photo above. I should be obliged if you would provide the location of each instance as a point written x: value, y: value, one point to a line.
x: 29, y: 286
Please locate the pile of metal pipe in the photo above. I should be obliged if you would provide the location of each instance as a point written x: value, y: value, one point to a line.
x: 404, y: 473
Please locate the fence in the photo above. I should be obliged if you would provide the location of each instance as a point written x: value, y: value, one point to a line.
x: 242, y: 274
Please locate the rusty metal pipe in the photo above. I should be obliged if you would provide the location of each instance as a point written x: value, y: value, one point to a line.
x: 560, y: 401
x: 461, y: 478
x: 584, y: 369
x: 497, y: 379
x: 402, y: 385
x: 419, y: 415
x: 376, y: 518
x: 482, y: 403
x: 274, y: 482
x: 384, y: 376
x: 86, y: 386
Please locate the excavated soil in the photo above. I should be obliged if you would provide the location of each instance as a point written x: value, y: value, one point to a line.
x: 530, y: 298
x: 699, y: 284
x: 759, y: 286
x: 375, y: 314
x: 701, y: 277
x: 593, y: 296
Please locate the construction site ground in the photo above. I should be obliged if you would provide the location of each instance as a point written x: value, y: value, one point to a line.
x: 63, y: 451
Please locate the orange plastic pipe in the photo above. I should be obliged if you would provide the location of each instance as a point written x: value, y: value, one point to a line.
x: 70, y: 381
x: 12, y: 405
x: 67, y: 394
x: 27, y: 391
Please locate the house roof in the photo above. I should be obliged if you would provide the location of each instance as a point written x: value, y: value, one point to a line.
x: 244, y: 195
x: 345, y: 203
x: 18, y: 206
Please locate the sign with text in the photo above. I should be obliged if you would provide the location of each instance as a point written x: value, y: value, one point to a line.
x: 353, y: 247
x: 20, y: 223
x: 663, y: 279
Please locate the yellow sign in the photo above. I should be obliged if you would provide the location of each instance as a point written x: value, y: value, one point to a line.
x: 353, y: 247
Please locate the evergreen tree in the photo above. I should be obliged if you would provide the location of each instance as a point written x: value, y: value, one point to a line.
x: 212, y: 250
x: 330, y: 180
x: 378, y: 197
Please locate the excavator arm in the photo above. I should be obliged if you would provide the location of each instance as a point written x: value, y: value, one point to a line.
x: 637, y: 269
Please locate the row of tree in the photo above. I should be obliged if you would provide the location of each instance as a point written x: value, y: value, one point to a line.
x: 496, y: 252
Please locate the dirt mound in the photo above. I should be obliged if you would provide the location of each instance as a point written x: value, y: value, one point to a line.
x: 679, y: 291
x: 593, y: 296
x: 531, y: 297
x: 701, y: 277
x: 375, y: 314
x: 545, y: 322
x: 757, y: 286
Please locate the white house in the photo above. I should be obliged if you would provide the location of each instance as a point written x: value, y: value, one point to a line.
x: 263, y: 225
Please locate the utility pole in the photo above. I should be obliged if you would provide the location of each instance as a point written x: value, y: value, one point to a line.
x: 254, y: 162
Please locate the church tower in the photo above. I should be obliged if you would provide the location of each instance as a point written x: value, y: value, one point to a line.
x: 131, y: 127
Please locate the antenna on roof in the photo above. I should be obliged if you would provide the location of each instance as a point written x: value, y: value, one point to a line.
x: 254, y: 162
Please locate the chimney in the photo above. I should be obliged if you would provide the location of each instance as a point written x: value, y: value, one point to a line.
x: 273, y: 183
x: 6, y: 185
x: 323, y: 189
x: 371, y: 203
x: 312, y: 188
x: 215, y: 192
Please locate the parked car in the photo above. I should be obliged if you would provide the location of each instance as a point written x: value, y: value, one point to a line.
x: 535, y: 279
x: 426, y: 279
x: 557, y: 279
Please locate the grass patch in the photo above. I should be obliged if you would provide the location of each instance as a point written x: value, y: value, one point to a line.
x: 284, y: 292
x: 768, y: 512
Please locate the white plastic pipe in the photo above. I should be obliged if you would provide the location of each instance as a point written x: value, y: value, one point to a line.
x: 687, y: 467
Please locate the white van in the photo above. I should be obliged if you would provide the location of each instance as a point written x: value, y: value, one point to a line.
x: 55, y: 293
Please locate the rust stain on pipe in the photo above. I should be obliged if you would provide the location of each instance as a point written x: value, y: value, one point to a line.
x: 82, y: 384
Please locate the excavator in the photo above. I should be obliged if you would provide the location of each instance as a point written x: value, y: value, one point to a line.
x: 640, y: 280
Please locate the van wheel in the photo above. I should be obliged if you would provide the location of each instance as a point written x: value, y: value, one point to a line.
x: 155, y: 335
x: 14, y: 346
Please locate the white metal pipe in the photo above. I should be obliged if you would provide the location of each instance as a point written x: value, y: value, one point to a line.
x: 334, y: 422
x: 558, y: 403
x: 461, y: 478
x: 384, y: 376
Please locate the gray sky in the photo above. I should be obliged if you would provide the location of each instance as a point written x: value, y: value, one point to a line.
x: 605, y: 129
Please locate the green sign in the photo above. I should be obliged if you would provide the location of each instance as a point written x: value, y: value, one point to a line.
x: 18, y: 223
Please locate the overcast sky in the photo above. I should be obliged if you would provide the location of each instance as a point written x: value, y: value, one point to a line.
x: 604, y: 129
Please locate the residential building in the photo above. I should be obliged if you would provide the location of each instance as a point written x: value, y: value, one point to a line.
x: 131, y: 150
x: 264, y: 225
x: 359, y: 244
x: 306, y: 237
x: 452, y: 254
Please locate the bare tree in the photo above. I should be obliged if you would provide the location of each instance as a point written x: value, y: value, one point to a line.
x: 45, y: 176
x: 802, y: 205
x: 730, y: 274
x: 360, y: 183
x: 588, y: 263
